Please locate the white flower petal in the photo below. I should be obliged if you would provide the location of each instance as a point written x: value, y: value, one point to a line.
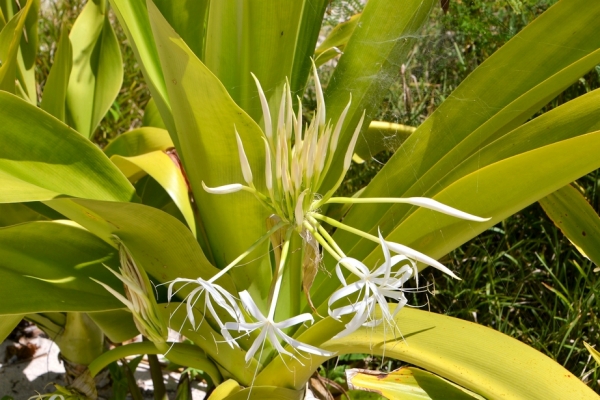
x: 246, y: 171
x: 338, y: 127
x: 345, y: 291
x: 307, y: 348
x: 298, y: 319
x: 225, y: 189
x: 407, y: 251
x: 268, y: 170
x: 440, y: 207
x: 251, y: 306
x: 265, y: 109
x: 350, y: 151
x: 257, y: 343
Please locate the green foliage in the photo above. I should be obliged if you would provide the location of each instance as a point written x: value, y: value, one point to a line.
x: 469, y: 153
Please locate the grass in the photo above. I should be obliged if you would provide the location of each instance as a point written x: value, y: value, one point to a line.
x: 521, y: 277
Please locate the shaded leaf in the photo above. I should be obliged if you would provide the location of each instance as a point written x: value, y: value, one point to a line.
x: 41, y: 158
x: 576, y: 218
x: 55, y: 90
x: 97, y: 72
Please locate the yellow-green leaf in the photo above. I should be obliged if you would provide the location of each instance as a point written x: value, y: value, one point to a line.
x: 55, y: 90
x: 408, y: 383
x: 161, y: 167
x: 97, y: 72
x: 473, y: 356
x: 593, y: 352
x: 576, y: 218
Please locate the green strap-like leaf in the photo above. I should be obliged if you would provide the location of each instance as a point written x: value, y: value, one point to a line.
x: 408, y: 383
x: 593, y: 352
x: 473, y: 356
x: 262, y: 38
x: 152, y: 116
x: 17, y: 213
x: 41, y: 158
x: 46, y: 266
x: 161, y: 167
x: 162, y: 245
x: 26, y: 83
x: 267, y: 392
x: 206, y: 119
x: 500, y: 95
x: 370, y: 63
x: 311, y: 19
x: 55, y: 90
x: 10, y: 39
x: 8, y: 322
x: 133, y: 17
x: 576, y: 218
x: 97, y: 72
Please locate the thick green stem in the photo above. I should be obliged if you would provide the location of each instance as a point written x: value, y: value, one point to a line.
x: 81, y: 340
x: 279, y: 274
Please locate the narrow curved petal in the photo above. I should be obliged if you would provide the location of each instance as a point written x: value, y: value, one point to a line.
x: 407, y: 251
x: 225, y: 189
x: 257, y: 343
x: 299, y: 319
x: 265, y: 109
x: 345, y: 292
x: 246, y: 171
x: 440, y: 207
x: 350, y: 151
x: 305, y: 347
x: 251, y: 306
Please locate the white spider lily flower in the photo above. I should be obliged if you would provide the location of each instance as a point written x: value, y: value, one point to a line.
x: 371, y: 288
x: 212, y: 293
x: 271, y: 331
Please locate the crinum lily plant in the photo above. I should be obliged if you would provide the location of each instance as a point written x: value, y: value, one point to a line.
x: 222, y: 208
x: 297, y: 157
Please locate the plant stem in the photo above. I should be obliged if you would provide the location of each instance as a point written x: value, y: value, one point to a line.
x: 345, y: 227
x: 279, y: 274
x: 160, y: 391
x: 134, y: 390
x: 326, y: 235
x: 322, y: 241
